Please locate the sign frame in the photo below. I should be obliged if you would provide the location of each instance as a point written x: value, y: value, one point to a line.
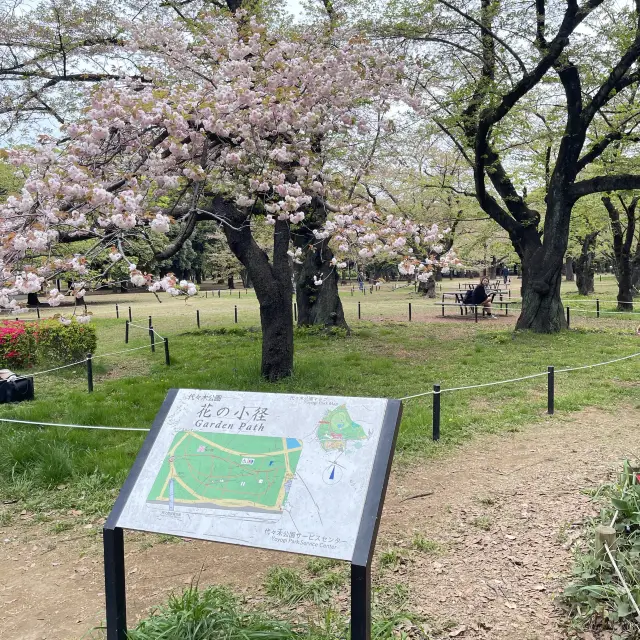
x: 113, y: 536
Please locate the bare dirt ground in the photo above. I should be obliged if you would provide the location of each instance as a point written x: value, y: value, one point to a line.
x: 504, y: 510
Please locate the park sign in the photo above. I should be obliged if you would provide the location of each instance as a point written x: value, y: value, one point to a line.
x: 297, y: 473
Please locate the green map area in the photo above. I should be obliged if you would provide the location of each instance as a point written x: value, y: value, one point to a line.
x: 337, y: 430
x: 227, y: 471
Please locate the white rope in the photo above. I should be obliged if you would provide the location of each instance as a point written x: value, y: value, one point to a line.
x: 622, y: 580
x: 535, y: 375
x: 138, y: 326
x: 489, y: 384
x: 64, y: 366
x: 116, y: 353
x: 598, y: 364
x: 71, y: 426
x: 93, y: 357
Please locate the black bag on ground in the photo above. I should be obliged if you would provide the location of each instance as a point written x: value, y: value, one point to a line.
x: 14, y: 388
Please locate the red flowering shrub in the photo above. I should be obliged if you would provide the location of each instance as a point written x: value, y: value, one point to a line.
x: 17, y: 344
x: 22, y: 344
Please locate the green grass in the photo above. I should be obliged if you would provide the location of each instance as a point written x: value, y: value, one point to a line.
x: 420, y: 543
x: 209, y: 615
x: 57, y: 468
x: 217, y: 614
x: 289, y: 586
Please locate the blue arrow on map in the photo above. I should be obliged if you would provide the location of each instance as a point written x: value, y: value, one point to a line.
x: 333, y: 473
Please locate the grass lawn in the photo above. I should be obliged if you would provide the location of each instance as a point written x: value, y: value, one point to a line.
x: 58, y: 468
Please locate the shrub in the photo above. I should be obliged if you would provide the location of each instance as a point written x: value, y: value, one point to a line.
x: 17, y: 344
x: 60, y: 343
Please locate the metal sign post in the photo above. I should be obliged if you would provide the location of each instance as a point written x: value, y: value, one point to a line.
x: 269, y: 433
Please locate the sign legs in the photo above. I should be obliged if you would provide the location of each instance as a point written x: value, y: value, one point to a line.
x: 113, y: 541
x: 360, y: 602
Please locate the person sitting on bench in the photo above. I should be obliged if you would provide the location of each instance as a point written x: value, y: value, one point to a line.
x: 480, y: 297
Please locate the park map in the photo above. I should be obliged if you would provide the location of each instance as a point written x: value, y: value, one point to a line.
x: 227, y: 471
x: 243, y: 472
x: 275, y: 471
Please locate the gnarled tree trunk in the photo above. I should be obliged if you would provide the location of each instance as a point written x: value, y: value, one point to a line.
x: 542, y: 309
x: 272, y: 284
x: 585, y: 271
x: 569, y: 269
x: 622, y: 249
x: 317, y: 305
x: 428, y: 288
x: 32, y: 300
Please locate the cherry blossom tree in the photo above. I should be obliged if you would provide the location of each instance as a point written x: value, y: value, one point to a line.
x: 224, y: 123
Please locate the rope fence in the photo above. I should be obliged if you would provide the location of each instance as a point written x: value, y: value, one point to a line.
x: 91, y: 357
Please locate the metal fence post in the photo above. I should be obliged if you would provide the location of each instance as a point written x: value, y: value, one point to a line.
x: 409, y: 312
x: 235, y: 312
x: 568, y: 317
x: 126, y: 332
x: 130, y: 315
x: 359, y: 314
x: 198, y: 317
x: 597, y: 307
x: 167, y: 359
x: 550, y: 391
x: 117, y: 313
x: 152, y: 336
x: 89, y: 372
x: 436, y: 412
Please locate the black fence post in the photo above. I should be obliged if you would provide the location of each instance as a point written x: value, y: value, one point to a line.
x: 198, y: 317
x: 235, y: 311
x: 152, y: 336
x: 218, y: 293
x: 568, y: 317
x: 409, y: 312
x: 476, y: 312
x: 117, y: 313
x: 359, y: 313
x: 597, y: 307
x: 126, y: 332
x: 436, y: 412
x: 38, y: 312
x: 167, y: 359
x: 206, y: 295
x: 550, y: 391
x: 130, y: 315
x: 89, y: 372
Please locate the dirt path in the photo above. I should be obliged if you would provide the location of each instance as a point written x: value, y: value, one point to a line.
x: 504, y: 511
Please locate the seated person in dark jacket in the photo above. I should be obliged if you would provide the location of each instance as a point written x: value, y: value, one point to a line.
x: 481, y: 297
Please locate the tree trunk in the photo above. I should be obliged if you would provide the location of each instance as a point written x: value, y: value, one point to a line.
x: 622, y: 249
x: 542, y: 309
x: 569, y: 269
x: 428, y: 288
x: 230, y: 283
x: 584, y: 267
x: 625, y: 286
x: 317, y: 305
x: 272, y: 284
x: 32, y: 300
x: 246, y: 279
x: 493, y: 268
